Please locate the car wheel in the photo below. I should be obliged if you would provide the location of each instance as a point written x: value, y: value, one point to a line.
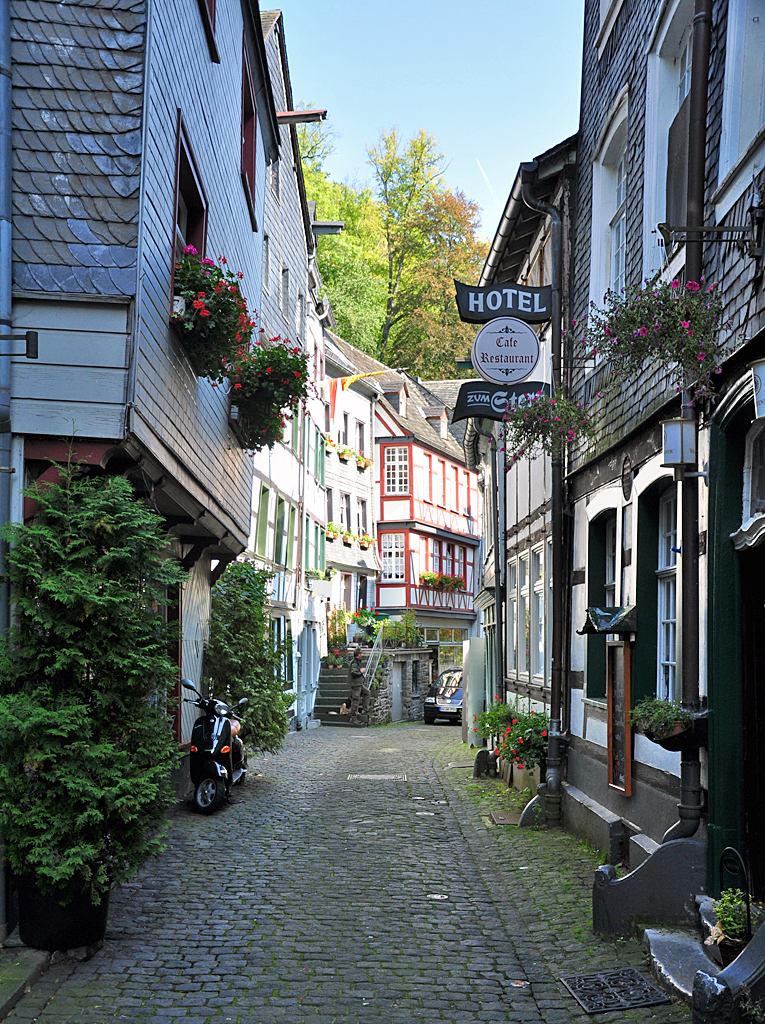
x: 429, y: 721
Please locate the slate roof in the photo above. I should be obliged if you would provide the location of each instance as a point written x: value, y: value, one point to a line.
x: 446, y: 391
x: 419, y: 398
x: 77, y: 100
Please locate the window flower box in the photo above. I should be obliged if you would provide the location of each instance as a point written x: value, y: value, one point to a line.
x: 366, y: 541
x: 345, y: 453
x: 210, y: 314
x: 333, y: 531
x: 329, y: 445
x: 348, y: 538
x: 442, y: 581
x: 363, y: 462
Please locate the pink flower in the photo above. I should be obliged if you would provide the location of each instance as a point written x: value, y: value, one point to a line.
x: 190, y: 251
x: 684, y: 323
x: 692, y: 286
x: 674, y: 284
x: 701, y: 356
x: 643, y: 331
x: 208, y: 263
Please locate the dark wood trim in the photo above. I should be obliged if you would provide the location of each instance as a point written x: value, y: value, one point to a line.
x: 618, y: 716
x: 248, y: 100
x: 207, y: 13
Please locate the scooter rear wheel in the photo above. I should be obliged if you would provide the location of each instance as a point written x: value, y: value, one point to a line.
x: 209, y: 795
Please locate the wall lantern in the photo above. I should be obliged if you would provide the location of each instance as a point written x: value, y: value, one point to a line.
x: 679, y: 443
x: 758, y: 383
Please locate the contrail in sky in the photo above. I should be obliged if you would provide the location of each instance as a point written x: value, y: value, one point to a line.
x: 494, y: 195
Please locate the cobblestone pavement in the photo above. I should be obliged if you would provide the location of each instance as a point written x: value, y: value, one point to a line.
x: 319, y: 898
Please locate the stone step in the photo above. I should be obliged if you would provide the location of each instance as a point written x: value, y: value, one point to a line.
x: 675, y: 956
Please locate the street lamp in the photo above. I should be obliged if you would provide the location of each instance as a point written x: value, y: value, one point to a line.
x: 678, y: 443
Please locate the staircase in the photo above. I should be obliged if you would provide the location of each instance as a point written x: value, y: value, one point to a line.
x: 334, y: 691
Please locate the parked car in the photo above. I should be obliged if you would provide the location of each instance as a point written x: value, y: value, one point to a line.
x: 444, y: 699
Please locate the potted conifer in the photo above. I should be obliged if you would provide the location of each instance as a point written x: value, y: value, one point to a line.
x: 86, y: 741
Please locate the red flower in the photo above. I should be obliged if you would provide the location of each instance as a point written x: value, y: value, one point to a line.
x: 204, y: 312
x: 544, y: 732
x: 237, y: 386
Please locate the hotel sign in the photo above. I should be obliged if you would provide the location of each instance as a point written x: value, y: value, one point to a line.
x: 505, y: 351
x: 479, y: 305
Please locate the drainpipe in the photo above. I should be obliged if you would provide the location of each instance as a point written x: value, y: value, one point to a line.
x: 554, y: 744
x: 499, y: 639
x: 5, y: 358
x: 690, y: 806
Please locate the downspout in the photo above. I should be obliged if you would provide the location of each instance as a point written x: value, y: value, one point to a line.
x: 499, y: 654
x: 554, y: 744
x: 690, y: 806
x: 6, y: 257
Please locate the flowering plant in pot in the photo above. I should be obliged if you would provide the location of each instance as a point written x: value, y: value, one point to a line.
x: 345, y: 453
x: 348, y: 537
x: 366, y: 540
x: 675, y: 326
x: 544, y: 424
x: 428, y: 579
x: 329, y: 445
x: 524, y: 738
x: 363, y: 461
x: 450, y: 583
x: 210, y: 312
x: 86, y: 741
x: 333, y: 530
x: 265, y: 379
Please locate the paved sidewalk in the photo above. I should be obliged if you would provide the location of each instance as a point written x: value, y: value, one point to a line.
x: 318, y: 899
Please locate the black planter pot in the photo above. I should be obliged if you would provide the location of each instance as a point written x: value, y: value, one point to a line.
x: 694, y: 736
x: 44, y: 923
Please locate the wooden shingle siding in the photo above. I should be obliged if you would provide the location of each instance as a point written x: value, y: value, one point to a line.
x: 184, y: 413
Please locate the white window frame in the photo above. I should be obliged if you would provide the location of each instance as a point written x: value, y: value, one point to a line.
x: 524, y: 620
x: 396, y: 470
x: 393, y: 549
x: 666, y: 599
x: 744, y: 77
x: 608, y: 151
x: 670, y: 34
x: 537, y: 617
x: 512, y: 615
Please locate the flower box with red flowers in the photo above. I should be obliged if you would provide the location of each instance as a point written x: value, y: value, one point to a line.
x: 210, y: 315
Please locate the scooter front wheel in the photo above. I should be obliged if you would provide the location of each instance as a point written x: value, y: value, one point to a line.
x: 209, y: 795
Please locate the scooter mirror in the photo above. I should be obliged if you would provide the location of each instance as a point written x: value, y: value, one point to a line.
x: 242, y: 703
x: 188, y: 685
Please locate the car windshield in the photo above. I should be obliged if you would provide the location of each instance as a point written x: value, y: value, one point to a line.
x: 449, y: 683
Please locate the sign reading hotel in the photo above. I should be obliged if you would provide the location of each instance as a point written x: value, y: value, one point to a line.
x: 505, y: 351
x: 479, y: 305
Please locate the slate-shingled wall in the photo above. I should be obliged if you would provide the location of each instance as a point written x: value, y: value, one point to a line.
x: 77, y: 98
x: 624, y: 63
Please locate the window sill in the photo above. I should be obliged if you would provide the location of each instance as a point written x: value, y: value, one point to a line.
x: 739, y: 178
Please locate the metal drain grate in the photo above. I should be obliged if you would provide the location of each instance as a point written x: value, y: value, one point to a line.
x: 613, y: 990
x: 505, y: 817
x: 380, y: 778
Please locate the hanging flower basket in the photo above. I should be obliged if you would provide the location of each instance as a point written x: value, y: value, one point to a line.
x: 266, y: 380
x: 544, y: 424
x: 673, y: 326
x: 209, y: 311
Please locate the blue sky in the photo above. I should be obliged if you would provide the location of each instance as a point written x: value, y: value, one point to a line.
x: 495, y: 81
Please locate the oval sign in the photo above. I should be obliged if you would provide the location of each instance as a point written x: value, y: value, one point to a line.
x: 505, y: 350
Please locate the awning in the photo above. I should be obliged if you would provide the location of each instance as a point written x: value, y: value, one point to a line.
x: 610, y: 620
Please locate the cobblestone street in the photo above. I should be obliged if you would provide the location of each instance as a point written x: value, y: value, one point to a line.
x: 320, y: 897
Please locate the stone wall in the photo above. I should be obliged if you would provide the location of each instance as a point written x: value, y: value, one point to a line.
x: 412, y: 703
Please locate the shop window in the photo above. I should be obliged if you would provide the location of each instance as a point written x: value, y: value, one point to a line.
x: 207, y: 12
x: 190, y: 201
x: 392, y: 549
x: 397, y: 470
x: 249, y: 137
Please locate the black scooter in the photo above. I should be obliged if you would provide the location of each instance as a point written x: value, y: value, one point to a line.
x: 217, y: 760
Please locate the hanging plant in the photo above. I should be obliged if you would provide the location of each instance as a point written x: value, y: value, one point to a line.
x: 668, y: 324
x: 544, y: 424
x: 265, y: 380
x: 209, y: 311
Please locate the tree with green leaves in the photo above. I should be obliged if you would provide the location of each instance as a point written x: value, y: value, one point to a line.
x: 86, y: 738
x: 241, y: 657
x: 405, y: 177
